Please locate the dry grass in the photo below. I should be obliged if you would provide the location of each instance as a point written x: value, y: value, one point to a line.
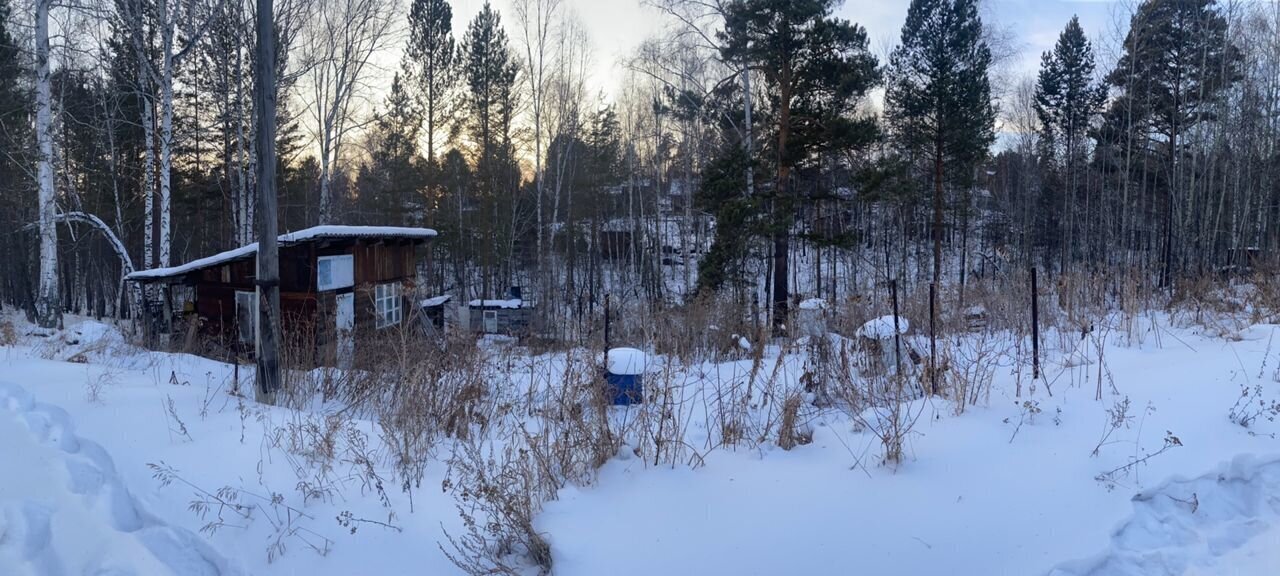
x: 971, y: 366
x: 8, y: 335
x: 792, y: 431
x: 502, y: 478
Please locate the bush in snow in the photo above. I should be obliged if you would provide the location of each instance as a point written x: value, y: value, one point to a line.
x: 501, y: 478
x: 1250, y: 406
x: 970, y: 363
x: 879, y: 402
x: 700, y: 330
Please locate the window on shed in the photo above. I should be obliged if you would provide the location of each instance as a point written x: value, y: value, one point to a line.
x: 387, y: 304
x: 334, y: 272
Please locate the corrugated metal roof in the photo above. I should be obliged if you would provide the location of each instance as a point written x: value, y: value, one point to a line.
x: 305, y: 235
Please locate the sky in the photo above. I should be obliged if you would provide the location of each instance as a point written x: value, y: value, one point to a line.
x: 617, y: 27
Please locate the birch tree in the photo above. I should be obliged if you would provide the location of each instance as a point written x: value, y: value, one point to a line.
x: 48, y: 309
x: 537, y: 23
x: 340, y: 45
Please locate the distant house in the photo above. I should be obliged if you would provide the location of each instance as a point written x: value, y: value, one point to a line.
x: 511, y: 316
x: 335, y: 283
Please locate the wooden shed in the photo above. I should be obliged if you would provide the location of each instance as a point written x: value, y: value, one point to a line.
x: 511, y: 316
x: 337, y: 283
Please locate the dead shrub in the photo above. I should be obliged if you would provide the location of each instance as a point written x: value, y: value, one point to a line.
x: 884, y: 404
x: 971, y: 362
x: 498, y: 494
x: 791, y: 431
x: 657, y: 432
x: 8, y: 335
x: 501, y: 480
x: 94, y: 386
x: 702, y: 329
x: 1264, y: 297
x: 1219, y: 308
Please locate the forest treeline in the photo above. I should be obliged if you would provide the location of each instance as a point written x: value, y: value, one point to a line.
x: 756, y: 151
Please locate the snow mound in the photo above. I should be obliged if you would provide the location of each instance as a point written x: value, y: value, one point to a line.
x: 626, y: 361
x: 510, y: 304
x: 882, y: 328
x: 1224, y: 522
x: 65, y: 510
x: 814, y: 304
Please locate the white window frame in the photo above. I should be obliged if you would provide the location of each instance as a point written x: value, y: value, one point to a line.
x: 388, y: 306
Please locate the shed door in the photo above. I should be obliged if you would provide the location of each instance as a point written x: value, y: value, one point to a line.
x: 491, y: 321
x: 344, y: 327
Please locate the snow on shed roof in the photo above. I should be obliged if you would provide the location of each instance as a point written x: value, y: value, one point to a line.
x: 434, y: 301
x: 508, y: 304
x: 304, y: 235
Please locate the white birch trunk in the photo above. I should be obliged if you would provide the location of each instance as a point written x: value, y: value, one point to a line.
x: 48, y: 312
x: 166, y: 132
x: 149, y: 184
x: 245, y: 199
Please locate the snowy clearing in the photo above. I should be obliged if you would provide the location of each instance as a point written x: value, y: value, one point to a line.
x: 1010, y: 486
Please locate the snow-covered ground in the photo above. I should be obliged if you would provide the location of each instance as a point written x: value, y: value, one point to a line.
x: 1035, y: 484
x: 65, y: 510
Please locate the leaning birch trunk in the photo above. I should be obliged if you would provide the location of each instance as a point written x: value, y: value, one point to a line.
x: 48, y: 313
x: 126, y: 263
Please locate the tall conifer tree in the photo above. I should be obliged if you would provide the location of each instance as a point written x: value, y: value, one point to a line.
x: 1067, y: 99
x: 816, y: 68
x: 1177, y: 60
x: 432, y: 60
x: 938, y: 97
x: 490, y: 73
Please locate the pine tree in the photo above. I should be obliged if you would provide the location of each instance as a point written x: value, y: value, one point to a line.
x: 11, y: 99
x: 1177, y: 60
x: 433, y: 62
x: 491, y: 72
x: 816, y: 68
x: 13, y: 102
x: 938, y: 97
x: 391, y: 183
x: 1066, y: 100
x: 16, y: 198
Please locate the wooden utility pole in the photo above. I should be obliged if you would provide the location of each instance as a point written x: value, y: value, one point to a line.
x: 897, y: 332
x: 1035, y: 326
x: 606, y: 322
x: 933, y: 337
x: 268, y: 329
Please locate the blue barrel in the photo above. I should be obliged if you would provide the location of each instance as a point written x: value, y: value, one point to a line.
x: 624, y: 376
x: 625, y: 389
